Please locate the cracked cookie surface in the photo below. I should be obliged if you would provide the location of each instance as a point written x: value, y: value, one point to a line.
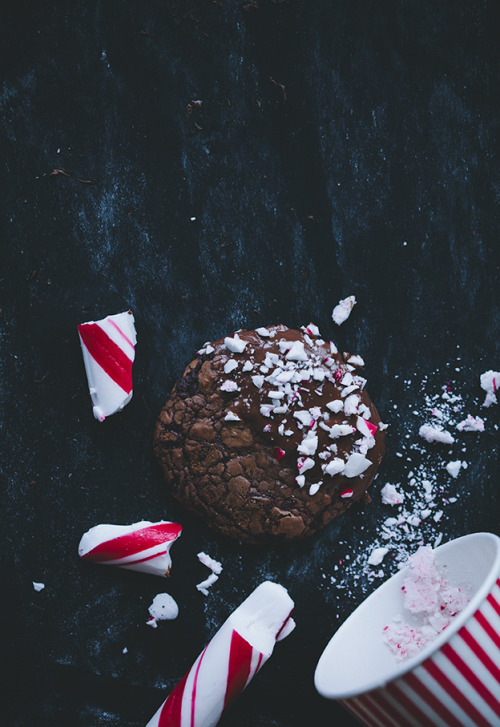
x: 270, y: 434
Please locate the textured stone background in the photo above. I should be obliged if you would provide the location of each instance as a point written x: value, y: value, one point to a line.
x: 340, y: 148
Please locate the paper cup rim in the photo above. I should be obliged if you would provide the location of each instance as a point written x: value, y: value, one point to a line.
x: 402, y: 668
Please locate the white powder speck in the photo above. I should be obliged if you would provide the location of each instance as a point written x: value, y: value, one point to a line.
x: 38, y: 586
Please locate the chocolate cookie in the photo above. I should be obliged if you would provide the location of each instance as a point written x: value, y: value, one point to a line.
x: 270, y: 434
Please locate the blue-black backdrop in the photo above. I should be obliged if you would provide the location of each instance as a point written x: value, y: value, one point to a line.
x: 227, y: 164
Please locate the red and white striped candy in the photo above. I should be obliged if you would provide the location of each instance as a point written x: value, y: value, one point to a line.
x: 457, y: 686
x: 108, y: 348
x: 231, y: 659
x: 142, y: 546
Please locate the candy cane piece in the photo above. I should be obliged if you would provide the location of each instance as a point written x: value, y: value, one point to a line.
x: 142, y: 546
x: 230, y: 661
x: 108, y: 348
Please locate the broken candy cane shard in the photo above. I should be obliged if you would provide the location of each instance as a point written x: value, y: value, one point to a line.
x: 108, y: 348
x: 142, y: 546
x: 231, y: 659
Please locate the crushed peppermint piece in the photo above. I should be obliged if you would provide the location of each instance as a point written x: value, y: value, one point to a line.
x: 377, y: 556
x: 214, y: 565
x: 304, y: 464
x: 341, y: 430
x: 334, y: 467
x: 300, y: 480
x: 205, y: 585
x: 433, y: 434
x: 356, y: 361
x: 351, y: 404
x: 390, y: 496
x: 453, y: 468
x: 229, y: 386
x: 280, y: 453
x: 471, y: 424
x: 314, y: 488
x: 335, y: 406
x: 38, y: 586
x: 235, y: 344
x: 230, y: 366
x: 356, y: 465
x: 296, y: 352
x: 263, y: 332
x: 309, y: 444
x: 163, y: 608
x: 258, y: 381
x: 343, y: 309
x: 430, y: 600
x: 247, y: 366
x: 349, y: 492
x: 232, y: 417
x: 490, y: 381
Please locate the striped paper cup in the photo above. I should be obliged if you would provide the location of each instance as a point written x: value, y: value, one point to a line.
x: 454, y: 681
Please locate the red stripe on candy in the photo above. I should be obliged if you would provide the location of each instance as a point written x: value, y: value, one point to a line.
x: 107, y: 354
x: 195, y: 684
x: 126, y: 338
x: 134, y: 542
x: 240, y: 661
x: 170, y: 715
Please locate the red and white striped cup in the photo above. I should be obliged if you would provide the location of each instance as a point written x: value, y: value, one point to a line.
x: 454, y: 681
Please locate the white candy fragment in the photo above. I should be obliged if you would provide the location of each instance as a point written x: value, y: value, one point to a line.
x: 335, y: 406
x: 334, y: 467
x: 377, y: 556
x: 356, y: 361
x: 356, y: 465
x: 205, y: 585
x: 247, y: 366
x: 351, y: 404
x: 390, y: 496
x: 453, y: 468
x: 38, y: 586
x: 108, y: 348
x: 296, y: 352
x: 433, y: 434
x: 235, y: 344
x: 343, y: 309
x: 309, y: 444
x: 490, y: 382
x: 163, y: 608
x: 229, y: 386
x: 471, y: 424
x: 341, y: 430
x: 304, y: 464
x: 214, y: 565
x: 143, y: 546
x: 263, y: 332
x: 232, y: 417
x: 230, y: 366
x: 230, y: 661
x: 314, y: 488
x: 258, y: 381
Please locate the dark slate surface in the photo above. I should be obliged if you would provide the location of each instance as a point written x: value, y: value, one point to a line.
x: 340, y: 148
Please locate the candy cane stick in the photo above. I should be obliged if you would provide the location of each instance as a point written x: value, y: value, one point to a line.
x: 142, y: 546
x: 108, y: 348
x: 231, y: 659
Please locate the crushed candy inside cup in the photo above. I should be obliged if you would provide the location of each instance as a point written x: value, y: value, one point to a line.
x: 430, y: 602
